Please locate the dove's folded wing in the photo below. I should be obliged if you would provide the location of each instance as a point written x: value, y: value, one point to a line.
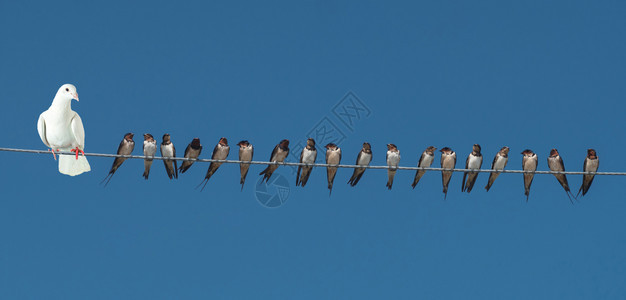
x: 78, y: 131
x: 41, y: 128
x: 67, y: 163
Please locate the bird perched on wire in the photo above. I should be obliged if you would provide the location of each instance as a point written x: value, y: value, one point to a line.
x: 333, y: 157
x: 168, y: 150
x: 393, y: 159
x: 61, y: 129
x: 426, y: 160
x: 529, y: 163
x: 363, y: 159
x: 246, y: 152
x: 308, y: 156
x: 220, y: 152
x: 279, y: 154
x: 474, y: 162
x: 590, y: 164
x: 499, y: 162
x: 448, y: 161
x: 193, y: 150
x: 149, y: 150
x: 125, y: 148
x: 555, y: 162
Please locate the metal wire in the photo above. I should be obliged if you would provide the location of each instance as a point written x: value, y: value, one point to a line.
x: 312, y: 165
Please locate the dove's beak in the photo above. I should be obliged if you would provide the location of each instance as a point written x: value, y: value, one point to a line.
x: 75, y: 95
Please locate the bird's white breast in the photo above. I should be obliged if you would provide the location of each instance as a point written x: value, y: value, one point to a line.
x: 167, y: 150
x: 308, y: 156
x: 365, y: 159
x: 222, y: 152
x: 554, y: 164
x: 474, y: 162
x: 193, y: 153
x: 591, y: 165
x: 149, y: 148
x: 334, y: 157
x: 245, y: 154
x: 530, y: 164
x: 127, y: 149
x: 447, y: 160
x: 427, y: 161
x: 280, y: 155
x: 393, y: 158
x: 500, y: 163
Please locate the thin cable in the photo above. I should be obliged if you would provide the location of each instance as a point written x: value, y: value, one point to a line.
x: 311, y: 165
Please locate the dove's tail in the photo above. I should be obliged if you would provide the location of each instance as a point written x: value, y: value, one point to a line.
x: 69, y: 165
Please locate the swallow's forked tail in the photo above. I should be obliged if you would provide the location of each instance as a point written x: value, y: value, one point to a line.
x: 107, y: 178
x: 147, y: 164
x: 242, y: 181
x: 244, y: 173
x: 492, y: 178
x: 390, y: 174
x: 463, y: 182
x: 570, y: 195
x: 204, y: 181
x: 356, y: 176
x: 417, y: 178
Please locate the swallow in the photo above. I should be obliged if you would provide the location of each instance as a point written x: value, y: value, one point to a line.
x: 246, y: 151
x: 193, y: 150
x: 279, y: 154
x: 363, y: 159
x: 220, y: 152
x: 308, y: 156
x: 448, y: 161
x: 555, y: 162
x: 427, y: 158
x: 590, y: 164
x: 125, y: 148
x: 529, y: 163
x: 499, y: 162
x: 473, y: 162
x: 149, y: 149
x: 393, y: 159
x: 168, y: 150
x: 333, y: 157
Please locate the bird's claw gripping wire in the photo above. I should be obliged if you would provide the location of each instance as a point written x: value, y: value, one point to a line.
x: 78, y: 150
x: 53, y: 154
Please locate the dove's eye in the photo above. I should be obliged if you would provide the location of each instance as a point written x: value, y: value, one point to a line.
x: 67, y: 89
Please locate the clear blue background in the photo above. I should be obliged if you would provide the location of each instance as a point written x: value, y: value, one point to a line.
x: 532, y: 75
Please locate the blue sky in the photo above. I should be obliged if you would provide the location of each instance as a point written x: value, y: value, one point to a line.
x: 527, y: 75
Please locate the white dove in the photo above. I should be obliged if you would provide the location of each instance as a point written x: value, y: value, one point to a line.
x: 61, y: 129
